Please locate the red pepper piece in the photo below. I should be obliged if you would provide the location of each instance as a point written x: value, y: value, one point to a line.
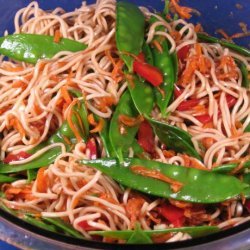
x: 150, y: 73
x: 146, y: 137
x: 173, y: 214
x: 85, y: 226
x: 91, y: 146
x: 187, y: 105
x: 183, y: 52
x: 204, y: 118
x: 231, y: 101
x: 16, y: 157
x: 177, y: 91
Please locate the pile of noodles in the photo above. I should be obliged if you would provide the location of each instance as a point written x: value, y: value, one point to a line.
x: 32, y: 107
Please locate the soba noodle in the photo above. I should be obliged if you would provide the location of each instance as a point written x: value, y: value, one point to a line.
x: 79, y: 193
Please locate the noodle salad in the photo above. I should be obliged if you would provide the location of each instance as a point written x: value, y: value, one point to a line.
x: 123, y: 125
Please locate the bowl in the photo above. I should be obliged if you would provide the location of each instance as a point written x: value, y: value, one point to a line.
x: 213, y: 15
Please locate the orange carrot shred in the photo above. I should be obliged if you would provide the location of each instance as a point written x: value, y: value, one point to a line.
x: 91, y: 120
x: 57, y: 36
x: 157, y: 46
x: 65, y: 94
x: 175, y: 185
x: 98, y: 127
x: 183, y: 12
x: 41, y: 181
x: 70, y: 122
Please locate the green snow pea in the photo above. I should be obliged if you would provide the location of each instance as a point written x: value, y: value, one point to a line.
x: 130, y: 24
x: 32, y: 47
x: 209, y: 39
x: 142, y: 94
x: 126, y: 234
x: 227, y: 168
x: 167, y: 63
x: 174, y: 138
x: 6, y: 178
x: 198, y: 186
x: 121, y: 142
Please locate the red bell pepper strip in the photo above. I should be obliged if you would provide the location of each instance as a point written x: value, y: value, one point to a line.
x: 187, y: 105
x: 85, y: 226
x: 173, y: 214
x: 183, y: 52
x: 91, y: 146
x: 16, y: 157
x: 177, y: 91
x: 231, y: 101
x: 147, y: 71
x: 146, y: 137
x: 204, y: 118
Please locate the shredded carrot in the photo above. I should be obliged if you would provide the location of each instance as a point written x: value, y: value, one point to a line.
x: 21, y: 193
x: 196, y: 62
x: 108, y: 54
x: 168, y: 153
x: 133, y: 208
x: 91, y: 120
x: 4, y: 109
x: 41, y: 181
x: 198, y: 28
x: 117, y: 73
x: 19, y: 84
x: 208, y: 125
x: 226, y: 61
x: 207, y: 142
x: 193, y: 163
x: 157, y: 45
x: 98, y: 127
x: 130, y: 121
x: 224, y: 34
x: 57, y: 36
x: 70, y: 122
x: 180, y: 204
x: 130, y: 80
x: 175, y: 185
x: 13, y: 69
x: 183, y: 12
x: 105, y: 102
x: 200, y: 109
x: 37, y: 109
x: 241, y: 162
x: 15, y: 123
x: 65, y: 94
x: 176, y: 35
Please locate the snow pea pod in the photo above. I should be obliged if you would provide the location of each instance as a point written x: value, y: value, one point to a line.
x: 32, y: 47
x: 167, y: 63
x: 126, y: 234
x: 6, y: 178
x: 227, y: 168
x: 245, y: 74
x: 104, y: 134
x: 142, y: 94
x: 138, y: 236
x: 44, y: 160
x: 121, y: 136
x: 174, y: 138
x: 63, y: 227
x: 130, y: 24
x: 209, y: 39
x: 198, y: 186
